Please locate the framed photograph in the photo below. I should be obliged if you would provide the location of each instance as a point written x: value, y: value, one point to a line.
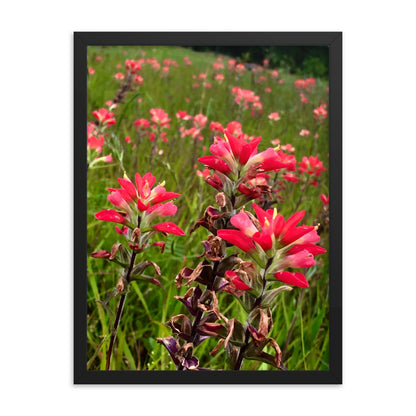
x: 208, y: 208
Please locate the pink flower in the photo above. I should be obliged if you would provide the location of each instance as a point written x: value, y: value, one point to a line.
x: 119, y: 76
x: 268, y: 90
x: 104, y: 117
x: 168, y: 228
x: 274, y: 116
x: 91, y: 71
x: 293, y: 279
x: 288, y: 147
x: 216, y: 127
x: 246, y: 97
x: 95, y: 143
x: 324, y: 199
x: 200, y: 121
x: 304, y: 132
x: 274, y: 74
x: 139, y: 199
x: 320, y: 113
x: 132, y: 66
x: 240, y: 69
x: 159, y: 117
x: 183, y: 115
x: 142, y: 123
x: 204, y: 174
x: 276, y: 242
x: 219, y: 78
x: 234, y: 127
x: 235, y: 281
x: 217, y: 66
x: 138, y: 80
x: 110, y: 215
x: 291, y: 177
x: 256, y: 187
x: 311, y: 165
x: 234, y: 156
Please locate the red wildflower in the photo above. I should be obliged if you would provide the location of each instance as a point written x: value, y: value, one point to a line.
x: 200, y: 121
x: 235, y: 281
x: 311, y: 165
x: 290, y: 177
x: 288, y: 147
x: 142, y: 123
x: 324, y: 199
x: 320, y: 113
x: 234, y: 127
x: 274, y: 241
x: 132, y: 66
x: 219, y: 78
x: 138, y: 80
x: 289, y: 161
x: 234, y: 155
x: 274, y: 116
x: 216, y: 127
x: 274, y: 74
x: 168, y: 228
x: 104, y: 117
x: 160, y: 117
x: 95, y: 143
x: 139, y: 199
x: 183, y: 115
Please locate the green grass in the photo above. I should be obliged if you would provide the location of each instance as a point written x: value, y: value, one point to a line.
x: 147, y: 306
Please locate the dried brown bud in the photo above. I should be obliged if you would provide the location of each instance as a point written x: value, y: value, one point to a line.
x: 136, y: 235
x: 221, y: 199
x: 121, y: 285
x: 254, y: 220
x: 114, y: 251
x: 213, y: 248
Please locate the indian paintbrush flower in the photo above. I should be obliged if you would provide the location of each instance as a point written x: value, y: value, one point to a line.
x: 275, y: 243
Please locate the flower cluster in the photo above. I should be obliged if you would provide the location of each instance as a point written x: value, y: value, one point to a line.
x: 138, y: 205
x: 247, y: 98
x: 275, y: 243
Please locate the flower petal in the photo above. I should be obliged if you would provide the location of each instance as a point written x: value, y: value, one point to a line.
x: 110, y: 215
x: 243, y: 222
x: 237, y: 238
x: 294, y: 279
x: 169, y: 228
x: 215, y: 163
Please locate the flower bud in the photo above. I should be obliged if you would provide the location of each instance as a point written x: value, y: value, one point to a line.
x: 221, y: 199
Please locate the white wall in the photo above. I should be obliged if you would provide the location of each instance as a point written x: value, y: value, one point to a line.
x: 36, y: 206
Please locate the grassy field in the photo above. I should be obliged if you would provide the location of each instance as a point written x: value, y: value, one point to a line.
x: 300, y: 316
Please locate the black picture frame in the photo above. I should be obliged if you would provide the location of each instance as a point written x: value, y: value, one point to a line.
x: 333, y: 40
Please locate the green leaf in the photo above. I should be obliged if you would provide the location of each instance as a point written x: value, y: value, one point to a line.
x: 269, y: 297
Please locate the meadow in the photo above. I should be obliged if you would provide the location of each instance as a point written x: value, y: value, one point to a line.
x: 168, y: 104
